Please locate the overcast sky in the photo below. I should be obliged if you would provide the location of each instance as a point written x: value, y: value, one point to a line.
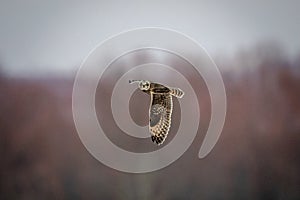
x: 55, y: 36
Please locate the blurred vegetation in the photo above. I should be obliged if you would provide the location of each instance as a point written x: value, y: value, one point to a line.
x: 257, y: 156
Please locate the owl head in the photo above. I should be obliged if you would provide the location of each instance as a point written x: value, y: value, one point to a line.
x: 143, y: 84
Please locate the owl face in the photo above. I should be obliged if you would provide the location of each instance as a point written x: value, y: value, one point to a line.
x: 144, y: 85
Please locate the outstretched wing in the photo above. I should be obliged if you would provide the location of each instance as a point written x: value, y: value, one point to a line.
x: 160, y: 116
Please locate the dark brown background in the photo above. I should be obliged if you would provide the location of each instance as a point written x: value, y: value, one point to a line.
x: 256, y: 157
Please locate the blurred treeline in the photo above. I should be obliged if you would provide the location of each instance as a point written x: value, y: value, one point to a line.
x: 257, y: 156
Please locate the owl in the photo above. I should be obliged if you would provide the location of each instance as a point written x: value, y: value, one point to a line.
x: 161, y: 107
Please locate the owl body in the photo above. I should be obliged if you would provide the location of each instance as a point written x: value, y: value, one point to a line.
x: 161, y: 107
x: 156, y: 88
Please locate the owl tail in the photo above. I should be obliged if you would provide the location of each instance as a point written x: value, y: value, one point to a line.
x: 177, y: 92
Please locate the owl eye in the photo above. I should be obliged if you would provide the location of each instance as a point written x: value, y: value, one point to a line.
x: 147, y: 85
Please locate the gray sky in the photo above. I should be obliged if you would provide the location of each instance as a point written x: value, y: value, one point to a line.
x: 55, y: 36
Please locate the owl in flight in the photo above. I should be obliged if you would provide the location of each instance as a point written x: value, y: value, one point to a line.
x: 161, y: 107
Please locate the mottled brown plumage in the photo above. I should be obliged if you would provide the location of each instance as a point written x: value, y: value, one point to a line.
x: 161, y: 107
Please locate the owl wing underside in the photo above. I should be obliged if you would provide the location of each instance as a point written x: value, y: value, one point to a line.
x: 160, y: 116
